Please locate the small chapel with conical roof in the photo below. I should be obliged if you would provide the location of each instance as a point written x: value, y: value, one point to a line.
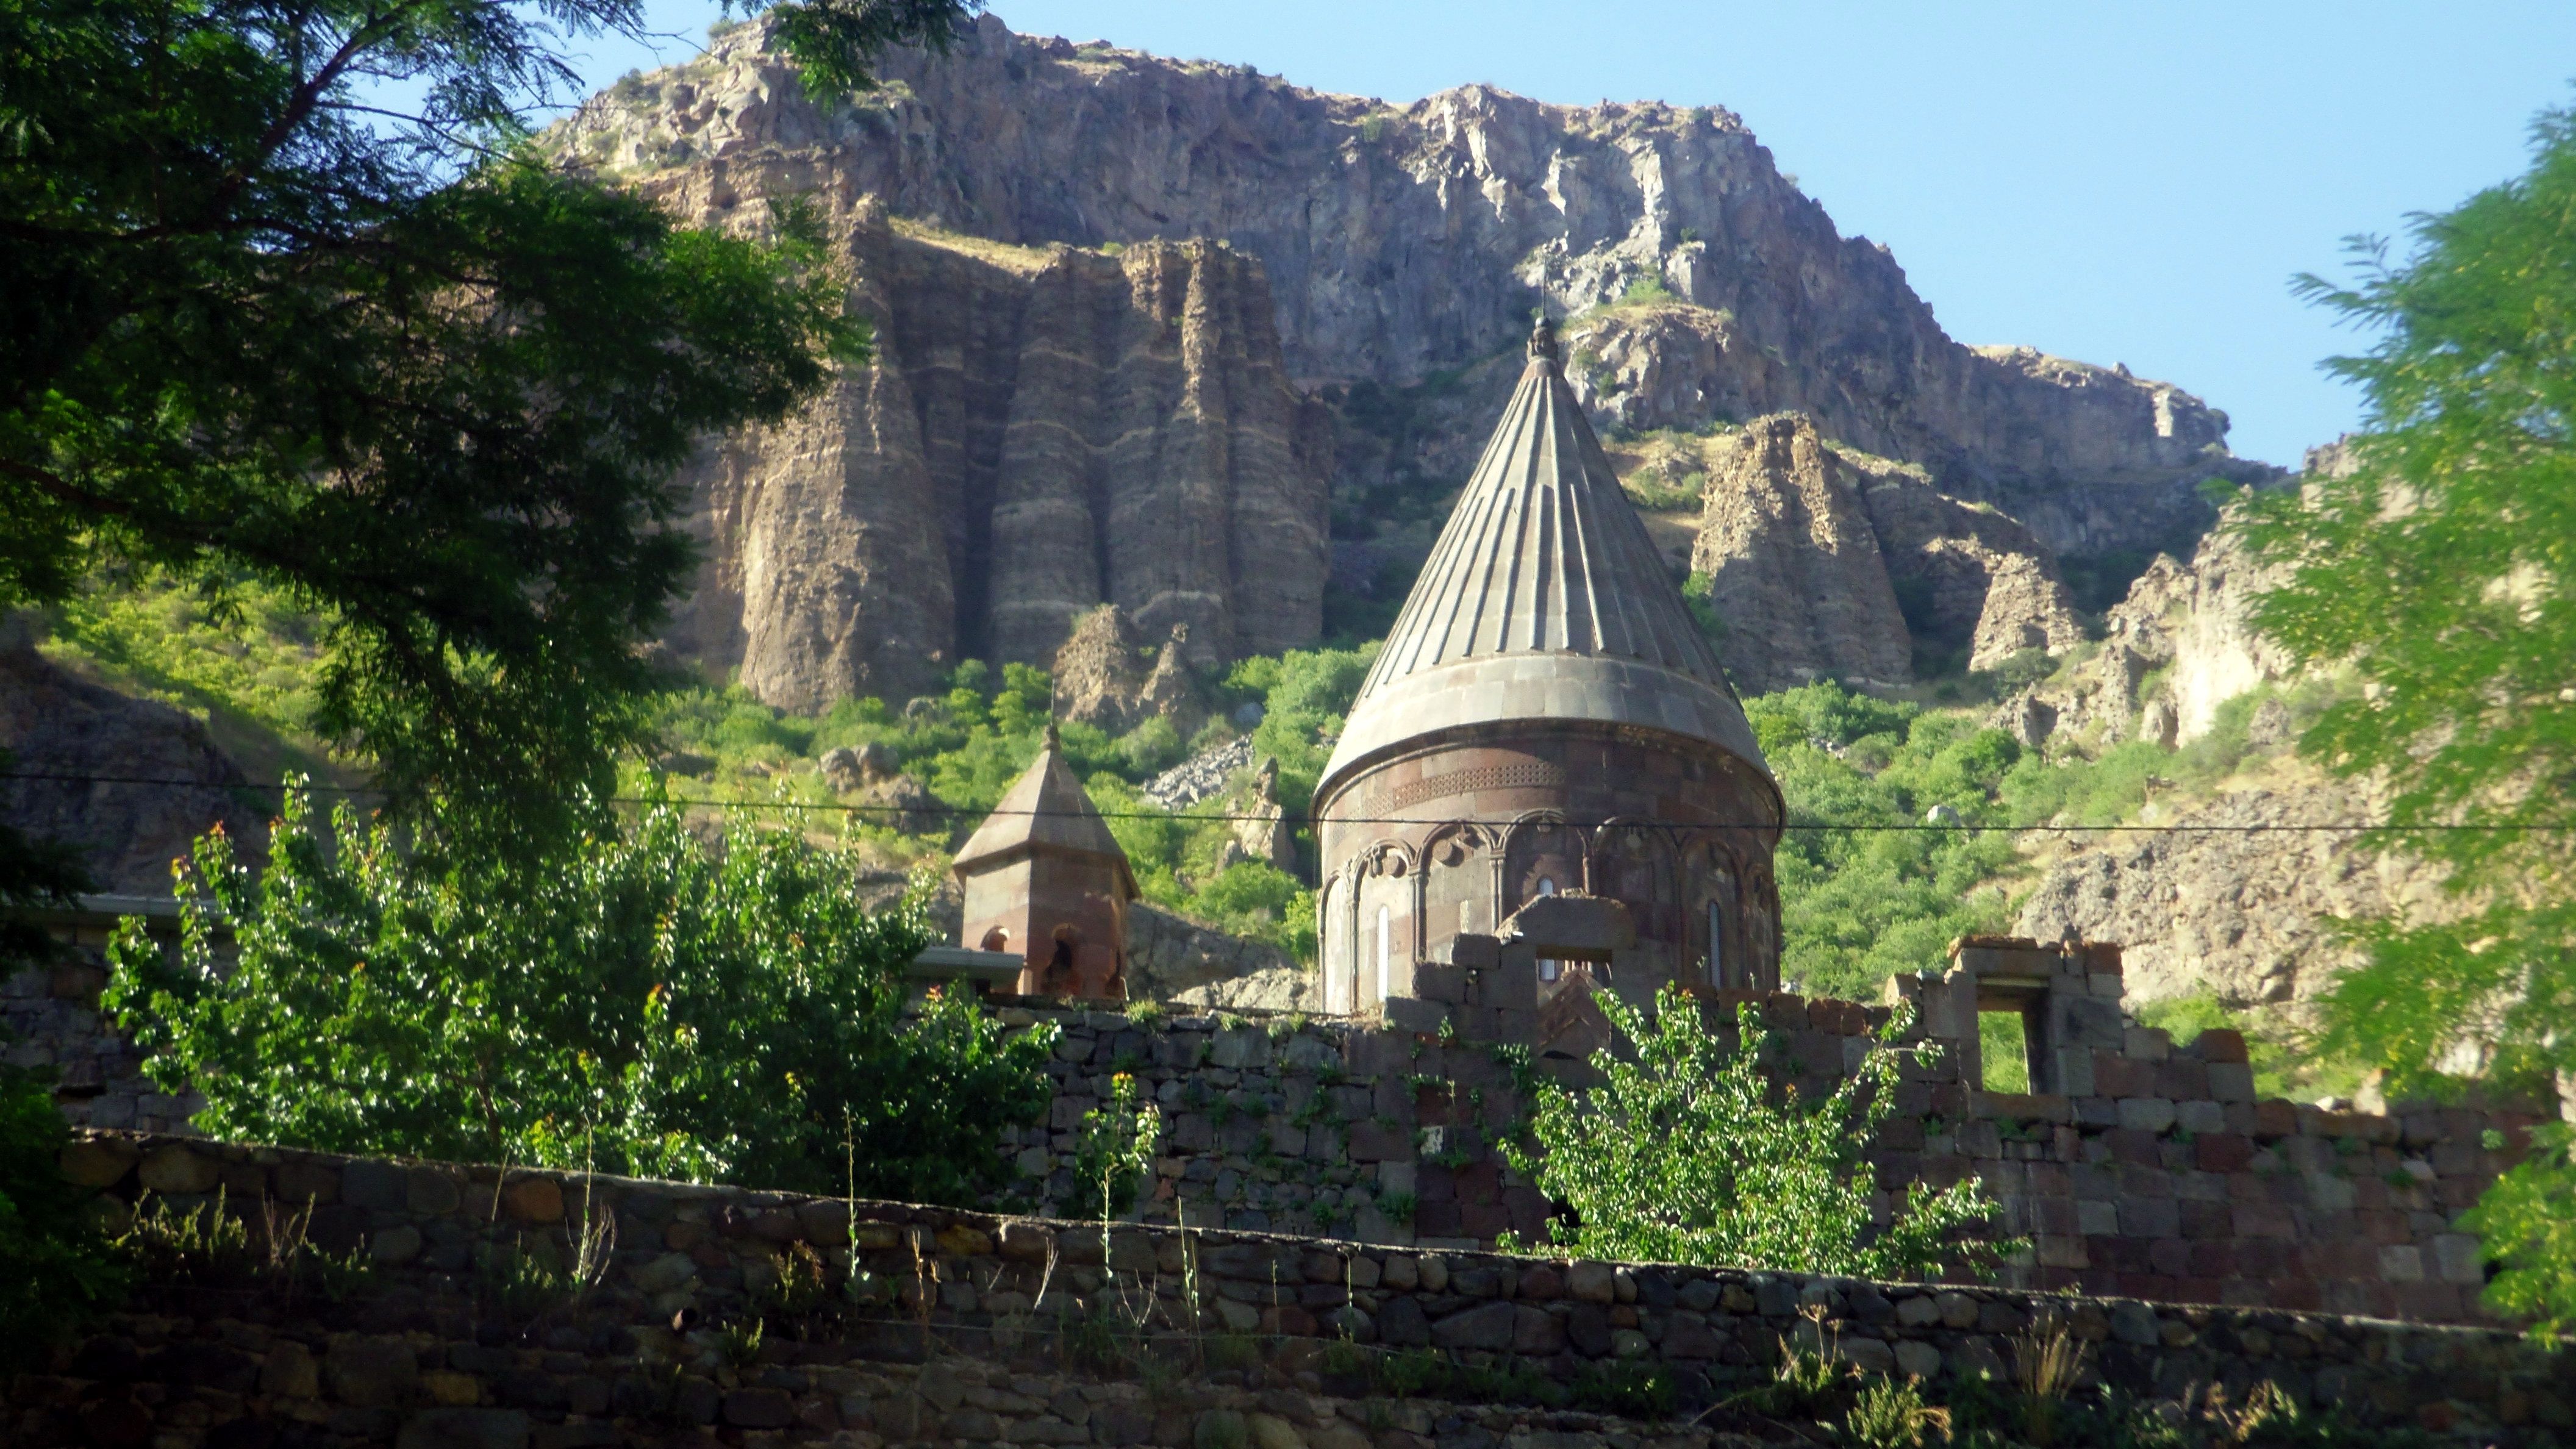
x: 1546, y: 719
x: 1045, y: 880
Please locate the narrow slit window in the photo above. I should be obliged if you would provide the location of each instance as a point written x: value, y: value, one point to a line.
x: 2003, y: 1046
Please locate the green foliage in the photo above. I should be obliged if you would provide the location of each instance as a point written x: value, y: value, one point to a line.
x: 2443, y: 569
x: 392, y: 368
x: 245, y: 650
x: 2004, y: 1048
x: 1889, y: 1414
x: 2528, y: 1221
x: 1695, y: 596
x: 1860, y: 906
x: 1681, y: 1155
x: 55, y: 1268
x: 1113, y: 1154
x: 1646, y: 290
x: 638, y: 1002
x: 2283, y: 1065
x: 1304, y: 693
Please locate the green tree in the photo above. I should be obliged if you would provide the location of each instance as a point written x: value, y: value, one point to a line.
x: 262, y: 327
x: 2443, y: 570
x: 643, y: 1003
x: 1685, y: 1153
x: 55, y: 1267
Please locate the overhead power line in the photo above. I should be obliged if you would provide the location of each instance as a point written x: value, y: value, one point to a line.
x: 962, y: 812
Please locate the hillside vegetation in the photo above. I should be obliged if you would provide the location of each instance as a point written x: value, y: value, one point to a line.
x: 1909, y: 823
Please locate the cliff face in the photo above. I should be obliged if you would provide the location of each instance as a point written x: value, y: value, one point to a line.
x: 1844, y: 563
x: 1401, y: 248
x: 1041, y: 431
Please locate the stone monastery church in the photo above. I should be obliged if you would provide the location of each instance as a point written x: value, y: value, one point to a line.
x: 1545, y: 779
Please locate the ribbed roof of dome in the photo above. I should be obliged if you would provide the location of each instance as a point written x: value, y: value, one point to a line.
x: 1544, y: 599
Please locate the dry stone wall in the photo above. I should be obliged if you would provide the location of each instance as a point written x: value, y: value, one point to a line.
x: 970, y: 1328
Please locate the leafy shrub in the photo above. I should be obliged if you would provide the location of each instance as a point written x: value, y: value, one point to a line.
x: 1858, y: 906
x: 1681, y: 1155
x: 55, y: 1267
x: 647, y: 1005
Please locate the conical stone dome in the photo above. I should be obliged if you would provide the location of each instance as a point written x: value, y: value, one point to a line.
x: 1545, y: 599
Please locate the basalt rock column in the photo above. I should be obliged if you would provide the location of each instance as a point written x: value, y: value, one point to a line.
x: 1545, y: 717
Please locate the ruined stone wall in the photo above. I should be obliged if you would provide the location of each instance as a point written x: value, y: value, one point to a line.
x: 2152, y: 1171
x: 49, y: 1019
x: 973, y: 1328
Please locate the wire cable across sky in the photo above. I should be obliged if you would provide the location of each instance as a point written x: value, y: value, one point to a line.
x: 962, y: 812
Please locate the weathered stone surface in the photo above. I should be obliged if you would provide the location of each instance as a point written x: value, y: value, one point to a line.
x: 464, y: 1429
x: 1102, y: 677
x: 947, y: 481
x: 1826, y: 562
x: 2239, y: 909
x: 1040, y: 432
x: 55, y: 723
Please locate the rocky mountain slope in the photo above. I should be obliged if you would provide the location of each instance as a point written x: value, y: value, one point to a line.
x: 1845, y: 566
x: 1041, y: 430
x: 1401, y: 248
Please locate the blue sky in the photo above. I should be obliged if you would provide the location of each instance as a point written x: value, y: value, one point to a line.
x: 2113, y: 182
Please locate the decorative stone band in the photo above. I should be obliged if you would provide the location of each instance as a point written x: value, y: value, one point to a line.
x: 420, y: 1349
x: 1487, y: 777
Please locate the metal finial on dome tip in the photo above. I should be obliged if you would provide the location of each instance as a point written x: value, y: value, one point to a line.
x: 1542, y: 341
x: 1051, y: 741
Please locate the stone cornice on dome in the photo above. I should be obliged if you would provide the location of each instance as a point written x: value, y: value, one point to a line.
x: 1544, y: 600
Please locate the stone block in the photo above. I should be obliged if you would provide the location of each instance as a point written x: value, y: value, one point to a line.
x: 372, y: 1373
x: 175, y: 1170
x: 533, y: 1199
x: 1412, y: 1014
x: 2146, y: 1114
x: 2150, y: 1217
x: 2200, y: 1116
x: 2458, y: 1258
x: 1486, y: 1326
x: 2220, y: 1045
x: 98, y: 1161
x: 458, y: 1428
x: 2401, y: 1263
x: 1373, y: 1141
x: 2146, y: 1044
x: 378, y: 1186
x: 1916, y: 1359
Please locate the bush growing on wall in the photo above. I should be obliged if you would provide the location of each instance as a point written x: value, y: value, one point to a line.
x: 1681, y: 1154
x: 647, y: 1004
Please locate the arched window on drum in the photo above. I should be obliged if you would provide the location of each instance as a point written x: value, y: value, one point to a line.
x: 1548, y: 971
x: 1726, y: 968
x: 1385, y: 948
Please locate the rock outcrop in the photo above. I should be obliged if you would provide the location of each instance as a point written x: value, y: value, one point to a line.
x: 1039, y: 432
x: 1101, y: 678
x: 1170, y: 956
x: 1038, y: 436
x: 131, y: 782
x: 2180, y: 645
x: 1826, y: 562
x: 1200, y: 776
x: 2236, y: 900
